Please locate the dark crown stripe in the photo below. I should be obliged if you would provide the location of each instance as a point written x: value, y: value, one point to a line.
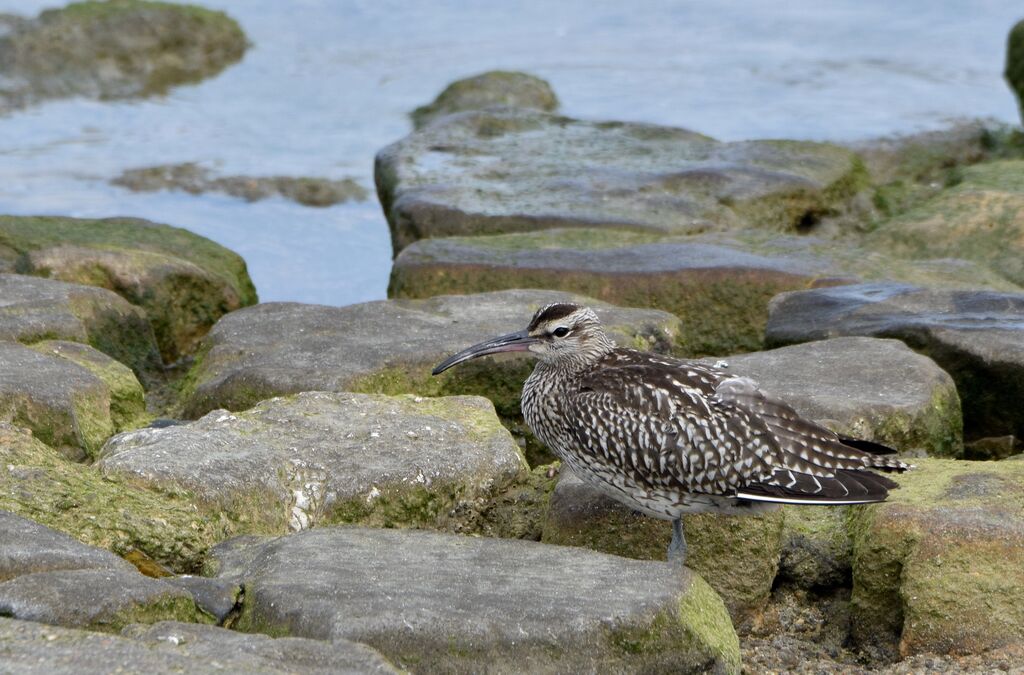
x: 552, y: 312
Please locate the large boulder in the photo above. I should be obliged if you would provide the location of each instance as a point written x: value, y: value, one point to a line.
x: 174, y: 647
x: 119, y: 49
x: 510, y: 170
x: 940, y: 566
x: 185, y: 282
x: 976, y: 336
x: 26, y: 547
x: 463, y: 604
x: 495, y: 88
x: 319, y: 457
x: 32, y: 310
x: 1015, y: 63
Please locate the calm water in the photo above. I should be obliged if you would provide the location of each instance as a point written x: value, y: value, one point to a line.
x: 327, y: 84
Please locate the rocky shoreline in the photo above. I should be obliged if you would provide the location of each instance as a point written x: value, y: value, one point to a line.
x: 191, y: 477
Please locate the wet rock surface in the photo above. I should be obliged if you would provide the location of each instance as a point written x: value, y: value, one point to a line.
x: 111, y: 50
x: 172, y: 646
x: 512, y: 170
x: 495, y: 88
x: 196, y: 179
x: 33, y: 309
x: 976, y: 336
x: 463, y: 604
x: 183, y: 281
x: 317, y: 458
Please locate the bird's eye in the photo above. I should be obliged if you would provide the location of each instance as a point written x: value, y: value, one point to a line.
x: 561, y: 331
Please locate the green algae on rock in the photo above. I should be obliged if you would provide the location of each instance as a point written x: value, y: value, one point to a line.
x: 495, y: 88
x: 115, y: 49
x: 185, y: 282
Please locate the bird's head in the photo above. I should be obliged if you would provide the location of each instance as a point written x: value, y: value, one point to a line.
x: 561, y: 333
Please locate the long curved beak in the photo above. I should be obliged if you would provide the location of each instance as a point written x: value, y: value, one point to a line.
x: 513, y: 342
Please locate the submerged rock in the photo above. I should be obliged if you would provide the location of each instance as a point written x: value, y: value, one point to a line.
x: 319, y: 458
x: 495, y: 88
x: 464, y: 604
x: 185, y: 282
x: 976, y: 336
x: 195, y: 179
x: 513, y: 170
x: 111, y: 50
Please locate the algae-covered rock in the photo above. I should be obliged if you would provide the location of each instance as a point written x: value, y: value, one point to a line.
x: 115, y: 49
x: 816, y: 547
x: 320, y: 458
x: 32, y: 310
x: 185, y: 282
x: 1015, y: 63
x: 464, y: 604
x: 495, y: 88
x: 36, y: 483
x: 975, y: 336
x: 99, y: 599
x: 940, y: 566
x: 876, y: 390
x: 719, y: 285
x: 738, y: 556
x: 514, y: 170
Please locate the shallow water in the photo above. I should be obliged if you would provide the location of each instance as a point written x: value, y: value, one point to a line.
x: 326, y: 84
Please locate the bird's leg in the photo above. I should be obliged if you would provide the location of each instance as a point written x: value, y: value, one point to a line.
x: 677, y: 549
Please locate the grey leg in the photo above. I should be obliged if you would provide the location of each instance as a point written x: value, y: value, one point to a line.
x: 677, y: 549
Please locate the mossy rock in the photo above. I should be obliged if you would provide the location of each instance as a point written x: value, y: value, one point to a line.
x: 500, y: 88
x: 185, y: 282
x: 1015, y: 63
x: 940, y: 566
x: 39, y: 484
x: 816, y: 547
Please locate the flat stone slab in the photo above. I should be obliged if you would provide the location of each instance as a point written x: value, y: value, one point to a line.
x: 170, y: 646
x: 496, y: 171
x: 321, y: 457
x: 27, y: 547
x: 102, y: 599
x: 976, y: 336
x: 940, y: 566
x: 34, y: 309
x: 463, y: 604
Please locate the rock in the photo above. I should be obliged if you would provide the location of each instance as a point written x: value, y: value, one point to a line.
x: 184, y: 282
x: 101, y: 599
x: 34, y: 309
x: 64, y: 405
x: 37, y: 483
x: 513, y: 170
x: 1015, y: 63
x: 112, y: 50
x: 495, y: 88
x: 981, y: 218
x: 26, y: 547
x: 195, y: 179
x: 738, y: 556
x: 940, y: 566
x: 993, y: 448
x: 718, y: 285
x: 816, y: 547
x: 173, y: 647
x: 464, y: 604
x: 975, y: 336
x: 318, y: 458
x: 386, y: 347
x: 215, y: 597
x: 877, y: 390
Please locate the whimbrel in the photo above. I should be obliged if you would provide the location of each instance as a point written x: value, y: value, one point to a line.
x: 668, y: 437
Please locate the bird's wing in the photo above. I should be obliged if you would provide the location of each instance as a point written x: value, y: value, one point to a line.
x: 663, y: 430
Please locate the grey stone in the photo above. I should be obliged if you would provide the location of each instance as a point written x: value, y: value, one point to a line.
x: 495, y: 88
x: 388, y: 346
x: 320, y: 457
x: 873, y: 389
x: 33, y: 309
x: 215, y: 597
x: 462, y: 604
x: 27, y: 547
x: 513, y: 170
x: 30, y: 648
x: 976, y: 336
x: 65, y: 405
x: 106, y: 599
